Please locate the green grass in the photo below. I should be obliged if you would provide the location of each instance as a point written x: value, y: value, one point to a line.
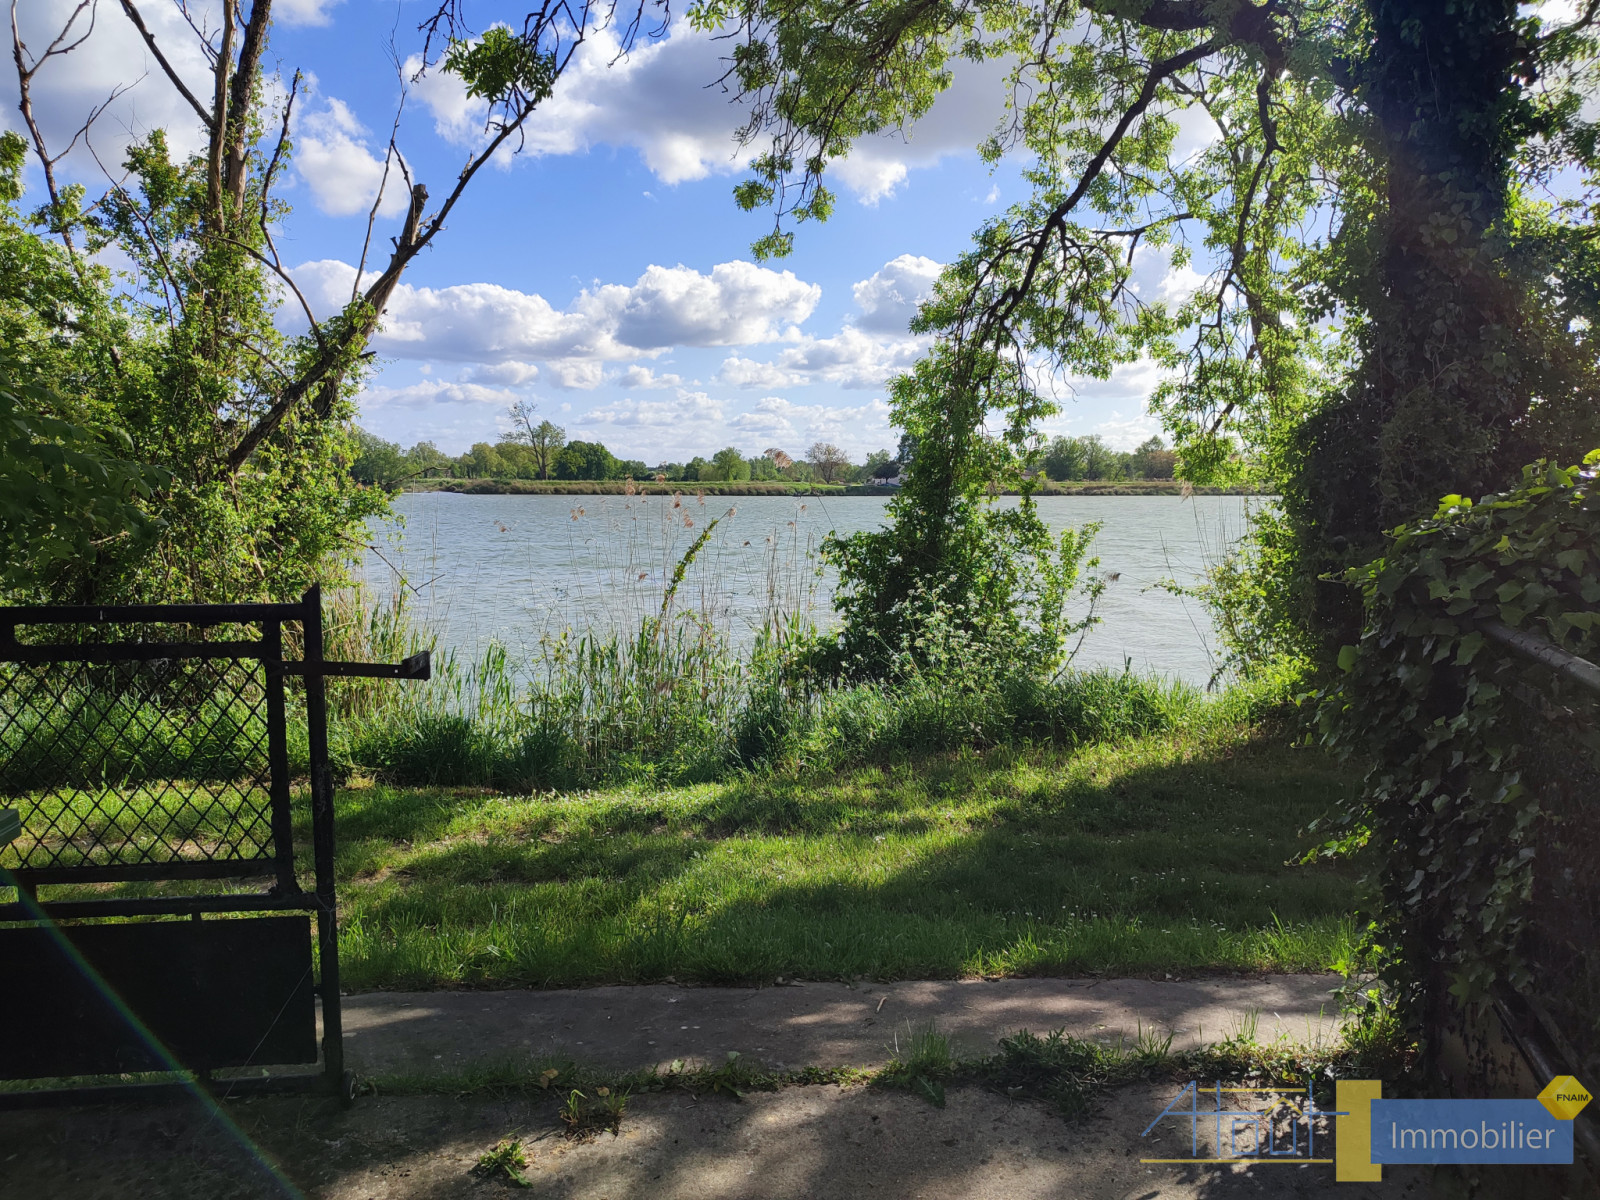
x: 1162, y: 854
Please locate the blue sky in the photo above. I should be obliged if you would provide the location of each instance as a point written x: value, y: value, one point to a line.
x: 604, y: 272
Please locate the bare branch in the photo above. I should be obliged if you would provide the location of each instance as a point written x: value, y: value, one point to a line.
x: 172, y: 74
x: 219, y: 122
x: 236, y: 146
x: 389, y: 158
x: 277, y: 150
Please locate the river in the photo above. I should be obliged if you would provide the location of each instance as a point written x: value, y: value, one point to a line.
x: 510, y: 569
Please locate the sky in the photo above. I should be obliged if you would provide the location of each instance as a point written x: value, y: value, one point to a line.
x: 604, y: 273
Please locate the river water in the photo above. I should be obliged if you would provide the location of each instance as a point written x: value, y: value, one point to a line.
x: 510, y: 569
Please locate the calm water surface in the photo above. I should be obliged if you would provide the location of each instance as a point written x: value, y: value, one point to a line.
x: 510, y: 569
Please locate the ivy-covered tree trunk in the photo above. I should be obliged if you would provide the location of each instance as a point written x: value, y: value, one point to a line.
x: 1451, y: 354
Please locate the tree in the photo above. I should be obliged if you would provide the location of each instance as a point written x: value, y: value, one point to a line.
x: 828, y: 461
x: 377, y: 462
x: 67, y: 495
x: 544, y: 440
x: 1099, y: 460
x: 484, y: 461
x: 1063, y: 459
x: 1152, y: 459
x: 585, y: 460
x: 1388, y: 311
x: 727, y: 464
x: 249, y: 424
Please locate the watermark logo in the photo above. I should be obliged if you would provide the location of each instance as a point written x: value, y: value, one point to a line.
x: 1565, y: 1097
x: 1283, y: 1125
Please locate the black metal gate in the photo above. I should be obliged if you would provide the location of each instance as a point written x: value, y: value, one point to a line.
x: 146, y: 754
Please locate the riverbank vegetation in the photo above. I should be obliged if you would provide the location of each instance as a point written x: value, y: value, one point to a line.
x: 624, y: 487
x: 536, y: 457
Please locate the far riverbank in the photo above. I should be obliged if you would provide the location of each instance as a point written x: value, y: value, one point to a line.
x: 618, y: 487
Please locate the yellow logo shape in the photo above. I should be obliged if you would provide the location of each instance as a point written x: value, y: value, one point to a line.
x: 1565, y: 1097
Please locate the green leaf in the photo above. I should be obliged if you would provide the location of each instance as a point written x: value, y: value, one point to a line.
x: 1468, y: 648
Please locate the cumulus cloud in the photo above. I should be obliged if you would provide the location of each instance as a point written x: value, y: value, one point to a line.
x: 66, y: 90
x: 429, y: 392
x: 777, y: 419
x: 511, y: 373
x: 852, y: 359
x: 1126, y: 434
x: 642, y: 378
x: 888, y: 299
x: 304, y: 12
x: 738, y: 303
x: 331, y: 155
x: 662, y: 101
x: 683, y: 410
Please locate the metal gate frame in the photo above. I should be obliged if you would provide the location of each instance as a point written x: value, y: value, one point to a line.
x: 285, y: 894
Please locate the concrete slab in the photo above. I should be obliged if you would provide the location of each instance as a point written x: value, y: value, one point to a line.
x: 803, y: 1143
x: 814, y: 1024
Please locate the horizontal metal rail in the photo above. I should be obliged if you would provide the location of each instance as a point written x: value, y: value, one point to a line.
x: 178, y: 868
x: 1542, y: 650
x: 159, y: 906
x: 151, y: 614
x: 128, y: 651
x: 173, y: 1091
x: 417, y: 666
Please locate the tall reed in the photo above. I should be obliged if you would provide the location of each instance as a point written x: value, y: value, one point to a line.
x: 661, y: 693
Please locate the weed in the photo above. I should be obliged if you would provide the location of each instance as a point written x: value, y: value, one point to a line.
x: 506, y: 1161
x: 586, y: 1115
x: 734, y: 1077
x: 922, y: 1067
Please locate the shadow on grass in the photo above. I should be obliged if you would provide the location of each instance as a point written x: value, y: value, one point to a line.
x: 971, y: 865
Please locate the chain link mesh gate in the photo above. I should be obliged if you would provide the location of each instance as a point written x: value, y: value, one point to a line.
x: 146, y: 754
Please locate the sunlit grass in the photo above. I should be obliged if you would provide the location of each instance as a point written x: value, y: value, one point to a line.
x: 1160, y: 855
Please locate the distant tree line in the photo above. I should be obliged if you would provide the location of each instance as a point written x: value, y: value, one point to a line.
x: 536, y: 449
x: 540, y: 450
x: 1088, y: 457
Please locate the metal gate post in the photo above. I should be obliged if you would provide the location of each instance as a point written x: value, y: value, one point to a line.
x: 322, y: 843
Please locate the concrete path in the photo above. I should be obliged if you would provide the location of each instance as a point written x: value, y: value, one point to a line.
x: 813, y: 1024
x: 803, y: 1143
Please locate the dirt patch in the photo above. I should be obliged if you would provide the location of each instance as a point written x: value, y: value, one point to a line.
x: 803, y: 1143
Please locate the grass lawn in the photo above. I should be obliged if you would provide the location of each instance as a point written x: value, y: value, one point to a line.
x: 1164, y: 854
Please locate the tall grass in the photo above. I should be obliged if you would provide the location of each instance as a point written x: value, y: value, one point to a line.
x: 661, y: 695
x: 657, y: 692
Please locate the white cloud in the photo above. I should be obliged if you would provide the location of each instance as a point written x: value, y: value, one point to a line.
x: 852, y: 359
x: 888, y: 299
x: 304, y: 12
x: 738, y: 303
x: 776, y: 419
x: 331, y: 155
x: 511, y: 372
x: 577, y: 373
x: 67, y: 89
x: 663, y: 101
x: 684, y: 409
x: 1126, y: 434
x: 433, y: 392
x: 642, y: 378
